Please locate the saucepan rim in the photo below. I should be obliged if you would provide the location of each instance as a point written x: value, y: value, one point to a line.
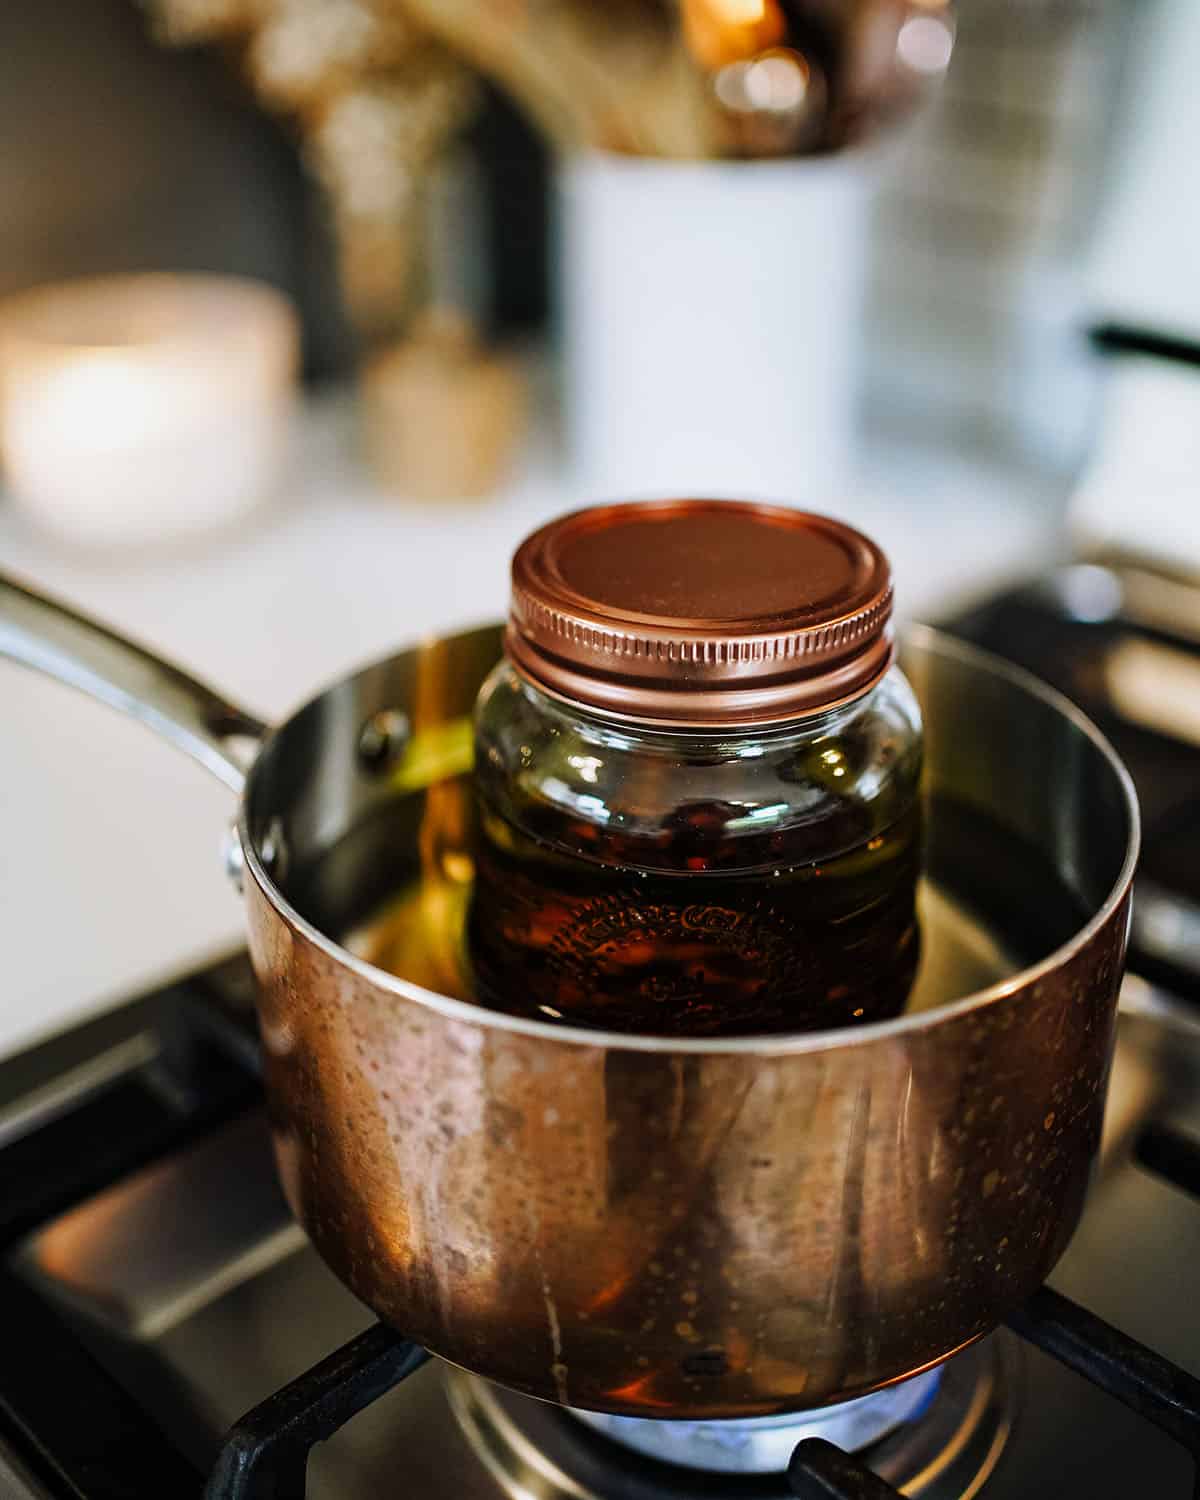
x: 1024, y: 979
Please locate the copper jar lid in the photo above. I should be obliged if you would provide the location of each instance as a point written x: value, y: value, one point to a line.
x: 700, y: 612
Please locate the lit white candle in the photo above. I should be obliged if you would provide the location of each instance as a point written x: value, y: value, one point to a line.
x: 137, y: 408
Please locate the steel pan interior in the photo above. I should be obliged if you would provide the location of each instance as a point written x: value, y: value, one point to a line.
x: 336, y: 829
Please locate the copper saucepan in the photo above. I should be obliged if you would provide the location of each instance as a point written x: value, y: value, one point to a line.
x: 706, y: 1228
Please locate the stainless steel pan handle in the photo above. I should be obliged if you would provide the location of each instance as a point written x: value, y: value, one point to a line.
x: 50, y: 637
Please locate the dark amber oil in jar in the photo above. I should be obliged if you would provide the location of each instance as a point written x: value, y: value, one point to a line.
x: 696, y: 779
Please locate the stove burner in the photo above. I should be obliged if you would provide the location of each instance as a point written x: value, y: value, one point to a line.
x: 764, y: 1445
x: 944, y: 1452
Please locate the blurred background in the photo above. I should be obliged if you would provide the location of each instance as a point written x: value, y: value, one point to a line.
x: 312, y: 308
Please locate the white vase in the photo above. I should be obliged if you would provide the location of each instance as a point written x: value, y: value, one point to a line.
x: 711, y: 317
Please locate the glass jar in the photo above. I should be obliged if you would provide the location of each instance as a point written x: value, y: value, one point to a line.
x: 697, y: 778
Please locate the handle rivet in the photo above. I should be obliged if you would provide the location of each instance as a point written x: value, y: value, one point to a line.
x: 234, y: 857
x: 273, y: 849
x: 382, y: 738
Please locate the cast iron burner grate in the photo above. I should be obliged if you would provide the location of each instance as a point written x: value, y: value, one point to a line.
x: 266, y: 1454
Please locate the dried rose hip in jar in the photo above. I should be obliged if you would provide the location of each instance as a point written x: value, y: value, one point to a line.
x: 697, y: 777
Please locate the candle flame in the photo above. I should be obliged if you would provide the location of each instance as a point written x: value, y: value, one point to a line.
x: 106, y: 399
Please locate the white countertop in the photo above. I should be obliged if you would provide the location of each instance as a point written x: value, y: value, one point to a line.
x: 111, y: 876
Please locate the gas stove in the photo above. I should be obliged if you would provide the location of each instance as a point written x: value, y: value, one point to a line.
x: 168, y: 1331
